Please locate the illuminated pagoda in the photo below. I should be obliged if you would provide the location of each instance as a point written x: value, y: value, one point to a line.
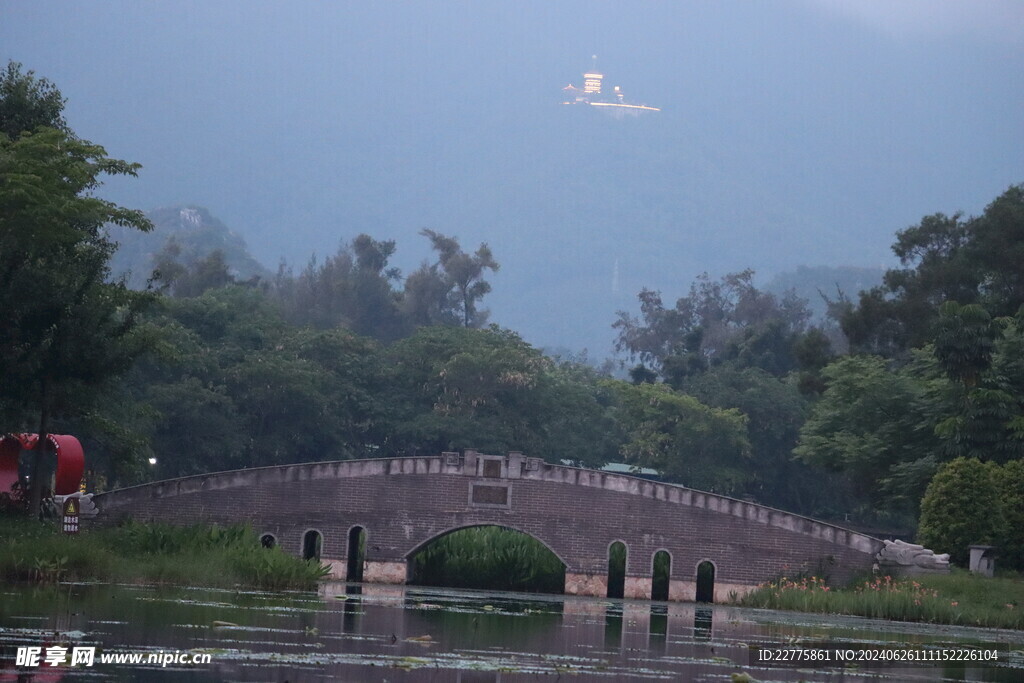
x: 591, y: 95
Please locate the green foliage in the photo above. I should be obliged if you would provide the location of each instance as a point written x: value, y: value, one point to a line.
x: 959, y: 598
x: 492, y: 558
x: 964, y: 341
x: 452, y: 388
x: 685, y: 440
x: 984, y: 357
x: 233, y: 386
x: 447, y: 291
x: 945, y: 258
x: 962, y: 507
x: 353, y: 288
x: 775, y: 411
x: 725, y: 320
x: 1010, y: 482
x: 67, y: 331
x: 200, y: 554
x: 27, y: 102
x: 876, y: 425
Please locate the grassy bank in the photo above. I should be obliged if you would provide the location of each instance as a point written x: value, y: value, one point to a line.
x: 490, y: 558
x: 959, y: 598
x: 196, y: 555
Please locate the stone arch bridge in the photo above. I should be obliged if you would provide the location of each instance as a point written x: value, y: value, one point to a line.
x: 405, y: 503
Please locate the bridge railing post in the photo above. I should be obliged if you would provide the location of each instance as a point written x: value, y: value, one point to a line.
x: 515, y: 464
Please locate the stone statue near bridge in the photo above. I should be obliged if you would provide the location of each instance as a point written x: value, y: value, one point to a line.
x: 909, y: 558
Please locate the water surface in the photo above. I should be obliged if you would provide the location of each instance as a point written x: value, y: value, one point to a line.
x: 379, y: 633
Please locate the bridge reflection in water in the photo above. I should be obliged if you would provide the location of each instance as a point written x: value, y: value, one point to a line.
x: 616, y: 626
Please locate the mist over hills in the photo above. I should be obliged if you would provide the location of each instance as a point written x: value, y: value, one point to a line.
x: 581, y: 284
x: 790, y: 133
x: 194, y: 231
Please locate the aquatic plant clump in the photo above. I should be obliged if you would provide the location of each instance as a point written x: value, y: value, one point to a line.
x: 491, y: 558
x: 195, y: 555
x: 960, y: 598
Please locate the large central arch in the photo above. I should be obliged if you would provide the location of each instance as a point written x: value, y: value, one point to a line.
x: 404, y: 503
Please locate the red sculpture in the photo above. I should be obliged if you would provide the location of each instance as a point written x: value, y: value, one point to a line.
x: 70, y: 460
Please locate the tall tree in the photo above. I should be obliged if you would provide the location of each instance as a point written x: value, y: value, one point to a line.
x: 27, y: 102
x: 66, y: 330
x: 718, y: 320
x: 876, y: 424
x: 685, y: 440
x: 354, y: 288
x: 452, y: 287
x: 972, y: 260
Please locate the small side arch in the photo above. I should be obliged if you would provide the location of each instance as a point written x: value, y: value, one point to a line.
x: 618, y: 558
x: 661, y: 574
x: 312, y: 544
x: 355, y: 553
x: 706, y: 571
x: 268, y: 540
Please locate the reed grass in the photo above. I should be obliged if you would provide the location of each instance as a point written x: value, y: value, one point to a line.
x: 194, y: 555
x: 959, y: 598
x: 491, y: 558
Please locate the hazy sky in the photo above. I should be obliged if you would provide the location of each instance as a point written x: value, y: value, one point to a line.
x: 802, y: 132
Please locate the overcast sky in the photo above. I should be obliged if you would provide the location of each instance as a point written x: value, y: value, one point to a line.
x: 802, y: 132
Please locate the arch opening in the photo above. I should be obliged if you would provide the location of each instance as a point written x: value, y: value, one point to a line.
x: 661, y: 570
x: 312, y: 544
x: 268, y: 541
x: 356, y: 553
x: 705, y: 582
x: 488, y: 557
x: 617, y: 569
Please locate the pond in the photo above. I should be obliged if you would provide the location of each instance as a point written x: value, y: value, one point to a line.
x: 350, y: 632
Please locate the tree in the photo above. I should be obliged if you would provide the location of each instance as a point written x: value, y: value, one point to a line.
x: 877, y: 425
x: 717, y: 321
x: 66, y: 330
x: 685, y: 440
x: 1011, y: 493
x: 775, y: 410
x: 232, y: 385
x: 451, y: 288
x: 961, y: 507
x: 27, y: 102
x: 463, y: 388
x: 945, y: 258
x: 353, y: 288
x: 987, y: 419
x: 964, y: 341
x: 209, y: 272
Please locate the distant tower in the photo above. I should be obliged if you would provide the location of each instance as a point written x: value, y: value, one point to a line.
x: 592, y: 80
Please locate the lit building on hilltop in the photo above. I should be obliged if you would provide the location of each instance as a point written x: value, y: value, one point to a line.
x: 591, y: 95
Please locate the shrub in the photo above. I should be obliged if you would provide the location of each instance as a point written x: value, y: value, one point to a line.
x: 1010, y: 552
x: 962, y: 506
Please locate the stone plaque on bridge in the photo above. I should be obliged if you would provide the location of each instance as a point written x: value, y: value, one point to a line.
x: 490, y: 495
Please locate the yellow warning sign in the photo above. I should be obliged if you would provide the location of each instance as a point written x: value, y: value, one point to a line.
x: 69, y: 507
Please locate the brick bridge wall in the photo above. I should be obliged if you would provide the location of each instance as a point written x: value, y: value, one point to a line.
x: 404, y: 503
